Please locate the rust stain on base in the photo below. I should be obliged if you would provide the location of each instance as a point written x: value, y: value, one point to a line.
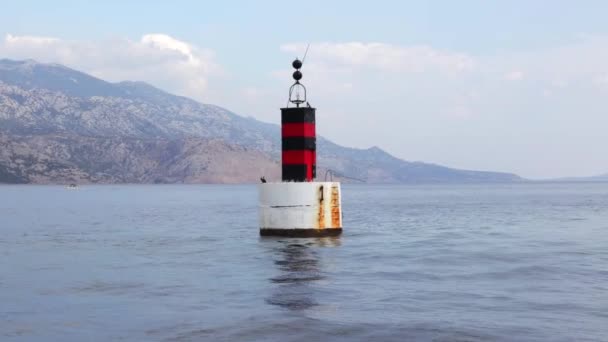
x: 335, y: 207
x: 321, y: 213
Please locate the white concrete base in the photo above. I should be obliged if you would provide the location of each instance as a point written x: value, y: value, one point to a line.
x: 300, y: 208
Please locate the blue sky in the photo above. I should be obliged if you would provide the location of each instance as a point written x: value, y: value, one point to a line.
x: 515, y: 86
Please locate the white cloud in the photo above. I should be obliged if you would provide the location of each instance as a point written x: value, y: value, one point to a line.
x: 602, y: 80
x: 29, y: 40
x: 559, y: 83
x: 159, y: 59
x: 578, y: 61
x: 385, y: 57
x: 515, y: 75
x: 165, y: 42
x: 458, y: 112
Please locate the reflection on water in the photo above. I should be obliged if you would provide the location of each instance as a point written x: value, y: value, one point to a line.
x: 300, y: 267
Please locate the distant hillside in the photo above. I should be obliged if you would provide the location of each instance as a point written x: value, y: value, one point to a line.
x: 598, y: 178
x: 60, y: 125
x: 603, y: 177
x: 83, y: 159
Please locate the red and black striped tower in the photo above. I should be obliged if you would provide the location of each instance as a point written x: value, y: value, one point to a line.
x: 299, y: 140
x: 299, y: 206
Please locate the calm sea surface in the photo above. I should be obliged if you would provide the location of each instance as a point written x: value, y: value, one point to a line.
x: 185, y: 263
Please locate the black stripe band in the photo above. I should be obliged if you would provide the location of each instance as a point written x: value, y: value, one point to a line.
x: 299, y: 143
x: 294, y: 172
x: 297, y: 115
x: 301, y: 232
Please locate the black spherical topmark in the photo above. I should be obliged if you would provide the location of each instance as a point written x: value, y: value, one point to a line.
x: 297, y: 75
x: 297, y: 64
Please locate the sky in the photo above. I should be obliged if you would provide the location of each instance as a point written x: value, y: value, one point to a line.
x: 514, y: 86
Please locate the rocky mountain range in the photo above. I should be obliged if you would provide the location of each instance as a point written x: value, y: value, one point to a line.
x: 59, y: 125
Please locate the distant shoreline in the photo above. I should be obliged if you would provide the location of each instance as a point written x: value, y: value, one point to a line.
x: 349, y: 183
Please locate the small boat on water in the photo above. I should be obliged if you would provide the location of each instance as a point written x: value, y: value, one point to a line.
x: 72, y: 186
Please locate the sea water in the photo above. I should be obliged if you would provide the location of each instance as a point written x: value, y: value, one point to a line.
x: 521, y: 262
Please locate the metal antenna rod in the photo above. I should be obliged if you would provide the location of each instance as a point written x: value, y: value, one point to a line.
x: 305, y: 53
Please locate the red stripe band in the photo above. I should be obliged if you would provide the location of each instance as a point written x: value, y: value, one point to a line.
x: 298, y: 129
x: 299, y: 157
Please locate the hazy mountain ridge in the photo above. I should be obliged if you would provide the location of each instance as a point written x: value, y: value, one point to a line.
x: 597, y: 178
x: 53, y: 115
